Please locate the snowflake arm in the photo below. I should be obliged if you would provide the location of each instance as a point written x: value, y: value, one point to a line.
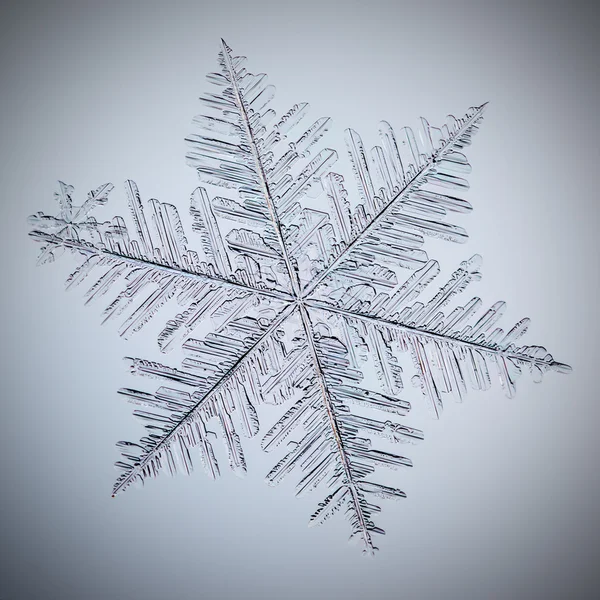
x: 331, y: 448
x: 150, y: 269
x: 446, y: 348
x: 216, y: 390
x: 384, y: 227
x: 239, y: 149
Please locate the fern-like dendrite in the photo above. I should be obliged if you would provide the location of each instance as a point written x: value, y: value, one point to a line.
x: 299, y: 301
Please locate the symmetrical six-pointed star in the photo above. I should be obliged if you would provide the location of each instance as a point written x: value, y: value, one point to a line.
x: 302, y: 301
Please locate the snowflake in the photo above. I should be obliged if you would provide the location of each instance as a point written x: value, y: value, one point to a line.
x: 303, y: 294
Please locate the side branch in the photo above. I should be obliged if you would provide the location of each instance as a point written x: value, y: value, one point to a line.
x: 556, y: 366
x: 292, y: 274
x: 308, y: 331
x: 137, y: 469
x: 140, y: 262
x: 417, y: 179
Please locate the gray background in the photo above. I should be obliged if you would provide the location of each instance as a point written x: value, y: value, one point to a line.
x: 503, y: 499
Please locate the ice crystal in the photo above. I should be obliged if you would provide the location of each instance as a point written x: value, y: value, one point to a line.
x: 299, y: 299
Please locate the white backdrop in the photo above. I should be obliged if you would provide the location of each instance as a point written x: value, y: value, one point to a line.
x: 502, y: 501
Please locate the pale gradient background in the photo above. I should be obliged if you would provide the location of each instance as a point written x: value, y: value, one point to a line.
x: 503, y: 499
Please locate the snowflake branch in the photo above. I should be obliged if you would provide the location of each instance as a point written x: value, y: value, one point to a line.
x: 418, y: 179
x: 189, y: 416
x: 293, y: 275
x: 345, y: 461
x: 140, y: 262
x: 556, y: 366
